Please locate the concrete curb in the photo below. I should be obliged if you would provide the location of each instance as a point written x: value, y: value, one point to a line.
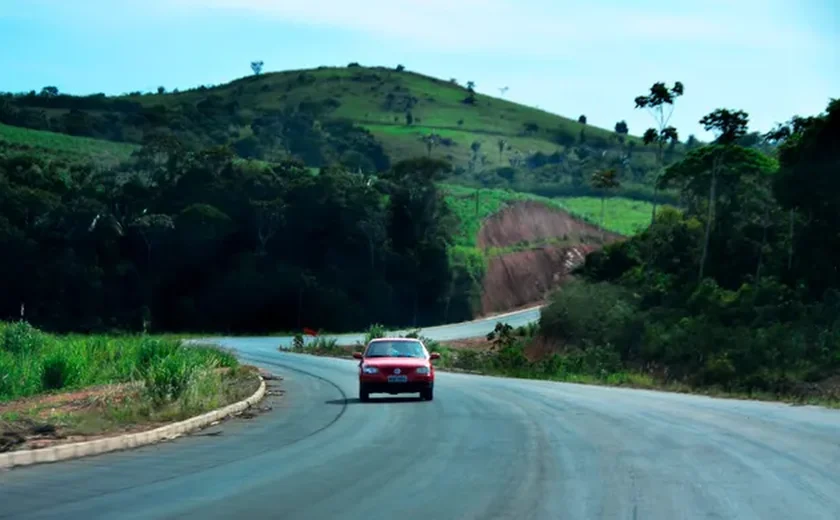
x: 128, y: 441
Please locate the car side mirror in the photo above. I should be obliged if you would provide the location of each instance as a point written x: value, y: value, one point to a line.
x: 434, y: 355
x: 357, y: 355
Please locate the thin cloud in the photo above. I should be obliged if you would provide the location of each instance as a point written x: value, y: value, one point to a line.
x: 539, y: 27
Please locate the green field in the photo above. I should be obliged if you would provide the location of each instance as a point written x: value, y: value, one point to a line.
x: 61, y: 145
x: 623, y: 216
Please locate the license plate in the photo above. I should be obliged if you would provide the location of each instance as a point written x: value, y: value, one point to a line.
x: 397, y: 379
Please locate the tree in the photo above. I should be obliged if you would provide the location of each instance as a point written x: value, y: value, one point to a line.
x: 660, y: 103
x: 430, y: 140
x: 779, y: 136
x: 400, y: 68
x: 604, y: 181
x: 152, y: 228
x: 268, y: 218
x: 501, y: 143
x: 621, y: 128
x: 582, y: 119
x: 530, y: 127
x: 691, y: 143
x: 729, y: 125
x: 470, y: 99
x: 809, y: 185
x: 622, y: 131
x: 161, y: 90
x: 475, y: 149
x: 49, y: 91
x: 516, y: 160
x: 257, y: 67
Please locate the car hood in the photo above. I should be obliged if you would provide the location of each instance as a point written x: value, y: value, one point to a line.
x: 384, y: 362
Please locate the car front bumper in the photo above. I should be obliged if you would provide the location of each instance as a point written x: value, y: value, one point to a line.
x: 384, y: 387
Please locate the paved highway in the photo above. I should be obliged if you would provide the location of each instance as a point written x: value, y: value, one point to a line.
x: 467, y: 329
x: 486, y: 448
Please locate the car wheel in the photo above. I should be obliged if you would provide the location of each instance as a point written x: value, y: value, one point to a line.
x: 364, y: 395
x: 428, y: 394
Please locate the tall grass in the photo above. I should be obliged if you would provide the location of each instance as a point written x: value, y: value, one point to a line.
x: 33, y: 362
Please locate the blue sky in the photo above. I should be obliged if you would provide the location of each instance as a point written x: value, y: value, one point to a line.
x: 772, y: 58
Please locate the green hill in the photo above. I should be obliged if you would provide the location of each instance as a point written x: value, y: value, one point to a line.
x: 362, y: 118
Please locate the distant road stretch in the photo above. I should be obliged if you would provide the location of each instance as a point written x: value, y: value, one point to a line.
x: 486, y: 448
x: 467, y: 329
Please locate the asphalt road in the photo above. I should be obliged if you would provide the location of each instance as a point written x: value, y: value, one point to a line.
x: 485, y: 448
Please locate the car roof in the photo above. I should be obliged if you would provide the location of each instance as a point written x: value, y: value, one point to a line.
x: 395, y: 339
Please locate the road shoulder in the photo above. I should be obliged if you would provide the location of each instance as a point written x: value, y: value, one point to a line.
x: 135, y: 439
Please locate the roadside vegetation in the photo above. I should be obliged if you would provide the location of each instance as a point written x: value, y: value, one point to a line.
x: 740, y: 291
x: 220, y: 214
x: 179, y: 240
x: 738, y: 294
x: 85, y: 385
x: 339, y: 197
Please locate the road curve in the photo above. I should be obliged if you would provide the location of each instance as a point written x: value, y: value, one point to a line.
x: 485, y: 448
x: 467, y: 329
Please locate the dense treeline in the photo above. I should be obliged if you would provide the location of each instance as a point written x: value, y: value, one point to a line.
x: 297, y: 116
x: 739, y: 290
x: 201, y: 240
x: 298, y: 131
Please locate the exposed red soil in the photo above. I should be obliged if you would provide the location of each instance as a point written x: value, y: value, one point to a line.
x: 524, y: 278
x: 530, y: 221
x: 477, y: 344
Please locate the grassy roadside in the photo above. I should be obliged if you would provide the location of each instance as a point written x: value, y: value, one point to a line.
x: 510, y: 352
x: 62, y: 388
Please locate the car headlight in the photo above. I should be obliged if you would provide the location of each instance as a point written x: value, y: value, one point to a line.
x: 423, y: 370
x: 370, y: 370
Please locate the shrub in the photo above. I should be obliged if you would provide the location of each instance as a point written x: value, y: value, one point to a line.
x: 151, y: 350
x: 585, y: 314
x: 32, y: 362
x: 168, y: 378
x: 373, y: 332
x: 62, y: 368
x: 22, y: 338
x: 324, y: 344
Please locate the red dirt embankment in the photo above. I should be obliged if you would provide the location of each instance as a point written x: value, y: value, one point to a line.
x: 526, y: 276
x: 530, y: 221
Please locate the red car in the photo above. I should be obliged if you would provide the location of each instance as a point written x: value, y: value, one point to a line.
x: 396, y: 366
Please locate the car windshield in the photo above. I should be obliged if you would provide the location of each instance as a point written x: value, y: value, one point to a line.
x: 412, y: 349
